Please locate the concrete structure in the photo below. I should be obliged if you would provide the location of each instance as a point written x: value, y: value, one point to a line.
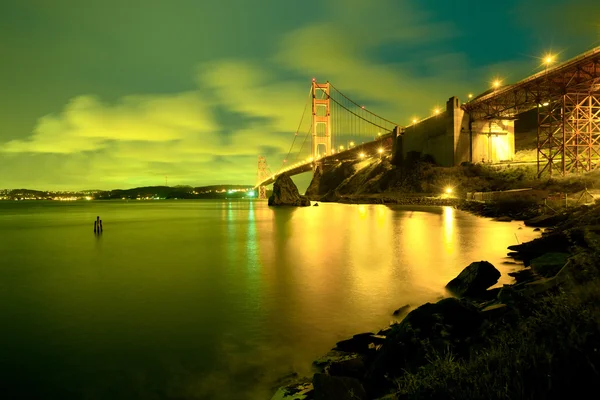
x: 450, y: 138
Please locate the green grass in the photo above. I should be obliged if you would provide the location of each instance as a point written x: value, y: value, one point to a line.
x: 551, y: 350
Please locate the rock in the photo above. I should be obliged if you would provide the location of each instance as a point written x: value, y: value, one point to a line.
x: 549, y: 264
x: 474, y: 279
x: 494, y: 311
x: 338, y: 388
x: 353, y: 368
x: 459, y: 318
x: 543, y: 221
x: 333, y: 356
x: 537, y: 229
x: 332, y: 196
x: 555, y: 242
x: 384, y: 331
x: 285, y: 193
x: 524, y: 275
x: 402, y: 310
x: 316, y: 205
x: 315, y: 183
x: 443, y: 326
x: 301, y: 389
x: 359, y: 343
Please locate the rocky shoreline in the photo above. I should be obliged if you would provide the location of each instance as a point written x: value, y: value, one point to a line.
x: 383, y: 364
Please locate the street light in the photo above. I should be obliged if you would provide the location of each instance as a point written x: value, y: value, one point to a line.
x: 362, y: 155
x: 341, y: 148
x: 549, y: 58
x: 497, y: 83
x: 351, y: 144
x: 414, y: 120
x: 380, y: 150
x: 436, y: 111
x: 470, y: 96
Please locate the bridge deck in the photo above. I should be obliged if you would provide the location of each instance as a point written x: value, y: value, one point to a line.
x: 581, y: 73
x: 369, y: 148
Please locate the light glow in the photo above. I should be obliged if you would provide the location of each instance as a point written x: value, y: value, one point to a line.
x: 362, y: 155
x: 380, y: 150
x: 497, y: 83
x: 549, y: 58
x: 448, y: 190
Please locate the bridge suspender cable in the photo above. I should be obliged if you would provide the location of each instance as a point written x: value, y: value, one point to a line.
x: 358, y: 116
x: 356, y: 104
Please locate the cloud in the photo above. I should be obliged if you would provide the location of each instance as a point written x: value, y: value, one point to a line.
x: 342, y: 51
x: 139, y: 139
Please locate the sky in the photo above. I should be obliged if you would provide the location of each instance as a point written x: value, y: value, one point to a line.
x: 104, y: 94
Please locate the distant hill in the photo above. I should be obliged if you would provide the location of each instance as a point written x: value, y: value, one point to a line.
x: 177, y: 192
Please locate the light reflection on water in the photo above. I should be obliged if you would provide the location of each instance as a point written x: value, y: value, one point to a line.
x: 212, y: 299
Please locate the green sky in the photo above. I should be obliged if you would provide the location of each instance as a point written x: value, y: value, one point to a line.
x: 107, y: 94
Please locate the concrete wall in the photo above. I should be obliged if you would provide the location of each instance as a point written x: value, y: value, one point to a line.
x: 446, y: 137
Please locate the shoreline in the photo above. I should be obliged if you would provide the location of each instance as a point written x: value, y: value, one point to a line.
x: 363, y: 363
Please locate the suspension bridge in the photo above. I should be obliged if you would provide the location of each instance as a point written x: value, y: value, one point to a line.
x: 566, y: 96
x: 338, y: 128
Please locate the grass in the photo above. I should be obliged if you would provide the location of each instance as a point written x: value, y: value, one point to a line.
x: 553, y: 351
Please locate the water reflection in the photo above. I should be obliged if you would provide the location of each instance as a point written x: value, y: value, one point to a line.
x: 203, y: 293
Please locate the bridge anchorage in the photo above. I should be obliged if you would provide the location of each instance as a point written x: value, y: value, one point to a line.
x: 339, y: 129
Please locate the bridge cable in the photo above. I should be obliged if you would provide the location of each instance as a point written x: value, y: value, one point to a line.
x: 358, y: 105
x: 356, y: 115
x: 299, y: 125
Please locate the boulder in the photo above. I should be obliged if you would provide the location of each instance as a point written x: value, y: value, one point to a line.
x: 445, y: 325
x: 353, y: 368
x: 360, y: 343
x: 402, y: 310
x: 474, y: 279
x: 316, y: 205
x: 334, y: 356
x: 300, y: 389
x: 338, y: 388
x: 524, y: 275
x: 285, y: 193
x: 332, y: 196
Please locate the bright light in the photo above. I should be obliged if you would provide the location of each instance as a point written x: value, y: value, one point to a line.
x: 380, y: 150
x: 436, y: 111
x: 470, y: 95
x: 88, y: 198
x: 341, y: 147
x: 448, y: 190
x: 311, y: 159
x: 549, y: 58
x: 362, y: 155
x: 250, y: 194
x: 497, y: 83
x: 414, y: 121
x: 378, y: 133
x: 545, y: 104
x: 351, y: 144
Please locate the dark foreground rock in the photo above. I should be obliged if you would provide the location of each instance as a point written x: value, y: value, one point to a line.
x: 402, y: 310
x: 474, y: 279
x: 338, y: 388
x: 285, y: 193
x: 443, y: 326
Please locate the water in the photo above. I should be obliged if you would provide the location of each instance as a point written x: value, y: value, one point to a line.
x: 211, y: 299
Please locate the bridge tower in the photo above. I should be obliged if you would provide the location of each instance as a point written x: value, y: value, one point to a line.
x: 321, y: 127
x: 261, y: 176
